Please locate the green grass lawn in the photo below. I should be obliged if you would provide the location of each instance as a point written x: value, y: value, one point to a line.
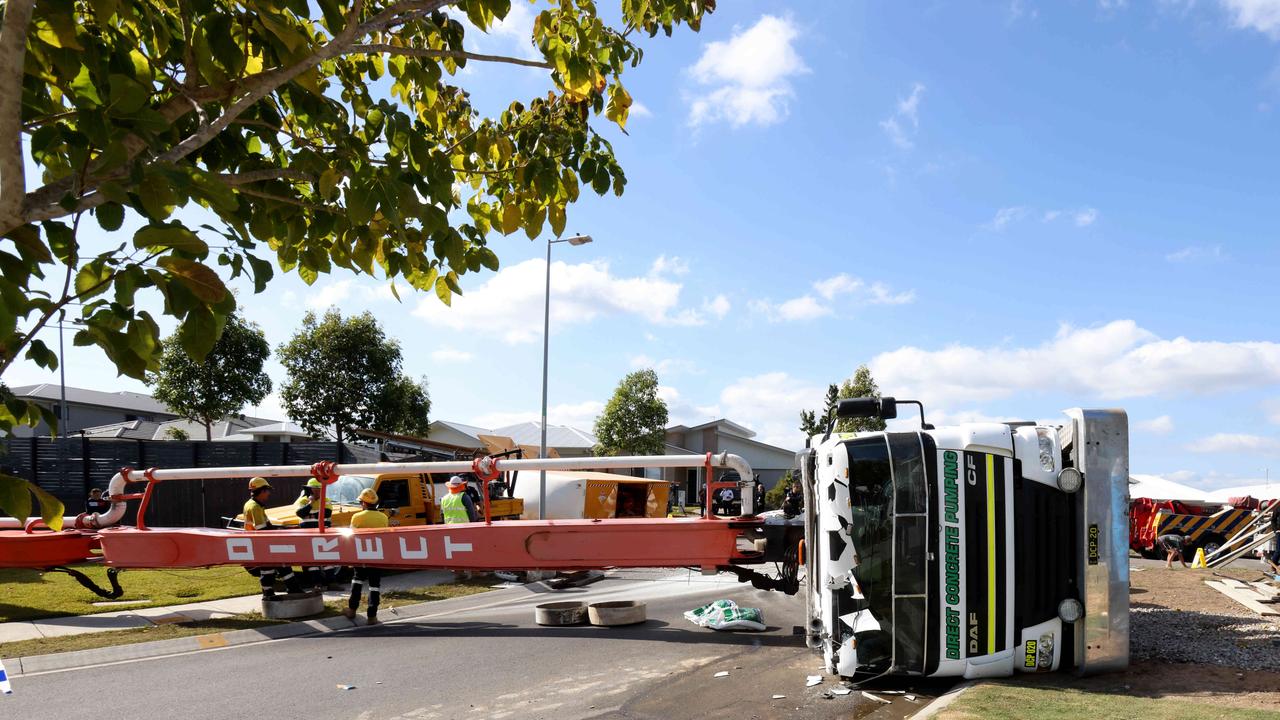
x: 32, y: 595
x: 1021, y: 702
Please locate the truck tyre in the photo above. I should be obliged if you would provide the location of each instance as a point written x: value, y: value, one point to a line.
x: 1210, y: 543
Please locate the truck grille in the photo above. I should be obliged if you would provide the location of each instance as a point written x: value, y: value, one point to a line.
x: 1044, y: 523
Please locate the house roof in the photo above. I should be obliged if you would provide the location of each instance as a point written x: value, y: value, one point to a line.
x: 120, y: 400
x: 558, y: 436
x: 130, y: 430
x: 279, y: 429
x: 468, y: 430
x: 723, y: 425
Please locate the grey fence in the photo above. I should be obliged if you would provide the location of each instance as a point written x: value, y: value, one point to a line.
x: 70, y: 467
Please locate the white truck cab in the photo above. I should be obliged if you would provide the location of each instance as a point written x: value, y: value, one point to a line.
x: 978, y: 550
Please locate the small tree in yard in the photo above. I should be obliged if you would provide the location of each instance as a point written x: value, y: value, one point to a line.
x: 776, y: 494
x: 811, y: 423
x: 345, y: 374
x: 228, y: 378
x: 634, y: 422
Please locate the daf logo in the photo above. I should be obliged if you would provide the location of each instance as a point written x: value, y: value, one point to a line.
x: 971, y: 470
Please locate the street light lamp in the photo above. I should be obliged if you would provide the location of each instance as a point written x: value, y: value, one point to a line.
x: 546, y: 346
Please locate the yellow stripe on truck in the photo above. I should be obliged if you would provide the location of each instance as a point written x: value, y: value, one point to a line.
x: 991, y: 554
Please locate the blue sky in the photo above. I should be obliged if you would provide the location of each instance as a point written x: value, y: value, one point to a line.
x: 1006, y: 209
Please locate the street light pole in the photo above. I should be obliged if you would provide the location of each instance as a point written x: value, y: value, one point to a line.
x: 546, y: 347
x: 62, y: 381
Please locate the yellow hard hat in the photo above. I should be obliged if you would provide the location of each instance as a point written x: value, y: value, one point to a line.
x: 259, y: 483
x: 367, y: 495
x: 313, y: 483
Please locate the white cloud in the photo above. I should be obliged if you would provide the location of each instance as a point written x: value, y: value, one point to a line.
x: 717, y: 306
x: 808, y: 307
x: 1109, y: 5
x: 512, y: 35
x: 1260, y: 15
x: 579, y: 415
x: 1196, y: 253
x: 509, y: 304
x: 770, y: 404
x: 669, y: 266
x: 1112, y: 361
x: 450, y: 355
x: 665, y: 366
x: 639, y: 109
x: 1237, y: 443
x: 1085, y: 217
x: 1018, y: 9
x: 1272, y: 408
x: 1162, y: 425
x: 747, y: 78
x: 1006, y: 216
x: 343, y: 293
x: 680, y: 411
x: 902, y: 125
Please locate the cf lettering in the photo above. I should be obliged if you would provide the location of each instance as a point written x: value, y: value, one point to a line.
x: 325, y: 549
x: 419, y: 554
x: 368, y: 548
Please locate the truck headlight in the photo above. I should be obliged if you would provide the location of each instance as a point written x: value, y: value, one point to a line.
x: 1070, y: 610
x: 1046, y: 449
x: 1070, y: 480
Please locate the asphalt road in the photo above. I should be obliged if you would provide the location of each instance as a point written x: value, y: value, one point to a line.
x: 483, y: 657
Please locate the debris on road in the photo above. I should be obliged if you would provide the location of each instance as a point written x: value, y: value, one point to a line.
x: 777, y: 697
x: 5, y: 687
x: 877, y: 698
x: 812, y: 680
x: 911, y: 698
x: 726, y: 615
x: 722, y: 673
x: 346, y: 687
x: 841, y: 690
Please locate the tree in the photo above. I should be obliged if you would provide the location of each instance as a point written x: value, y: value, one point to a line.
x: 345, y: 374
x: 229, y: 377
x: 861, y: 385
x: 270, y: 115
x: 634, y: 421
x: 813, y: 424
x: 776, y: 494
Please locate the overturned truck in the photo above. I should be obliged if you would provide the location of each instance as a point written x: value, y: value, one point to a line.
x: 977, y: 550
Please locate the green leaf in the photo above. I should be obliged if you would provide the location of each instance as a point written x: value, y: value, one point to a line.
x: 51, y: 508
x: 329, y: 180
x: 15, y: 497
x: 198, y: 333
x: 510, y: 218
x: 92, y: 279
x: 110, y: 216
x: 172, y: 236
x: 84, y: 88
x: 262, y: 273
x: 555, y: 214
x: 443, y: 292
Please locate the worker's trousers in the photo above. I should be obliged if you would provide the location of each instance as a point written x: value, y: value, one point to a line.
x: 267, y: 579
x: 362, y: 576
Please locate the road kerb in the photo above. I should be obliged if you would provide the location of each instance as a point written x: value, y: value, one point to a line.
x: 941, y: 702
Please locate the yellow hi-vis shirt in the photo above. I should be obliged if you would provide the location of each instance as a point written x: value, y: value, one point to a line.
x: 255, y: 516
x: 369, y: 519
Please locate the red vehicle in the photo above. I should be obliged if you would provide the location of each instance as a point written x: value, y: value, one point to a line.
x: 1205, y: 525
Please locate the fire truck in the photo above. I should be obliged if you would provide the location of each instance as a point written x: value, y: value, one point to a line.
x: 977, y: 550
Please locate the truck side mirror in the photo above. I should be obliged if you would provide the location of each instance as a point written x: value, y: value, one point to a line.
x: 883, y: 408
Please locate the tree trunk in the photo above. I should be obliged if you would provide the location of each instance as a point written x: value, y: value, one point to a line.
x: 208, y: 430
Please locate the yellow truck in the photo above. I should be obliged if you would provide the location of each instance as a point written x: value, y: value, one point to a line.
x: 406, y: 498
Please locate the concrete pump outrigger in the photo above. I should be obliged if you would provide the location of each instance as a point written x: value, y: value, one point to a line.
x: 969, y: 551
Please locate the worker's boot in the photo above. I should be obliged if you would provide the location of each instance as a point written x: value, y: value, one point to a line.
x: 373, y: 619
x: 349, y: 613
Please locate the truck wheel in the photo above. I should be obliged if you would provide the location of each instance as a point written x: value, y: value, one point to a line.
x: 1211, y: 544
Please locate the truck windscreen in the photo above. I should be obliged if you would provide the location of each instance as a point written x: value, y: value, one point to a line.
x: 888, y: 519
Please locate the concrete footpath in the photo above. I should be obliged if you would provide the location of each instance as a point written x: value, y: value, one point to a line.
x: 209, y: 609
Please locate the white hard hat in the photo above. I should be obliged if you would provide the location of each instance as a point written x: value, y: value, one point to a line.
x: 456, y: 481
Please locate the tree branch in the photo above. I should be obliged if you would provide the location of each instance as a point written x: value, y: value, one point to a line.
x: 13, y: 53
x: 252, y: 176
x: 455, y: 54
